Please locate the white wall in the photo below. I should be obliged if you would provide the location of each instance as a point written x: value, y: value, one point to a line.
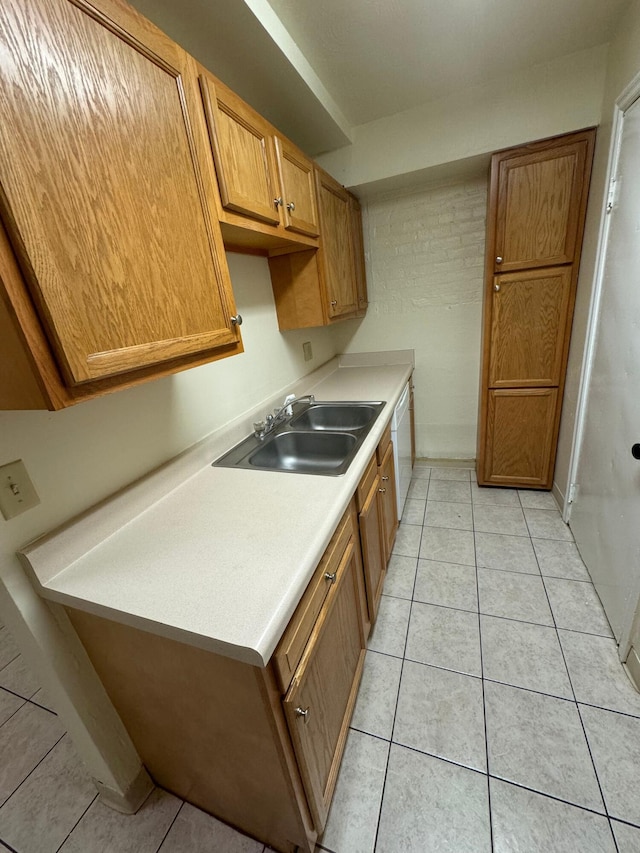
x: 623, y: 65
x: 541, y: 101
x: 425, y: 254
x: 78, y: 456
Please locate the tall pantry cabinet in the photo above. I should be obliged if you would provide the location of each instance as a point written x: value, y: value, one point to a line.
x: 537, y: 203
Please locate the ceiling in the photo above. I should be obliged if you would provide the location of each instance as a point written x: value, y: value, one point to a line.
x: 319, y: 68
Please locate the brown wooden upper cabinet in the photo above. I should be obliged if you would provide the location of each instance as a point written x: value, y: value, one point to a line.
x: 298, y: 196
x: 337, y: 264
x: 535, y: 221
x: 266, y: 193
x: 357, y: 237
x: 538, y: 204
x: 111, y: 259
x: 320, y: 287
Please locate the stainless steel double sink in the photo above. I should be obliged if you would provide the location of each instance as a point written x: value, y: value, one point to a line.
x: 320, y: 438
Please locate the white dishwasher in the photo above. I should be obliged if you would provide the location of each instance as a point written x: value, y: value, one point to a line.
x: 401, y: 437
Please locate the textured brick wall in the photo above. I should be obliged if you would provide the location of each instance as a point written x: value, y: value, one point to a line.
x: 425, y: 256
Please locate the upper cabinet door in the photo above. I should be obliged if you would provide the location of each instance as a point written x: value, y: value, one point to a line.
x: 105, y: 188
x: 539, y: 204
x: 336, y: 254
x: 240, y: 140
x: 355, y: 215
x: 298, y: 192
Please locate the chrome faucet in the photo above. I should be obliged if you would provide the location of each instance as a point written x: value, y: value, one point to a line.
x: 271, y: 421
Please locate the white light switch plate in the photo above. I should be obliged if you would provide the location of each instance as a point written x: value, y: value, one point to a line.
x: 17, y: 493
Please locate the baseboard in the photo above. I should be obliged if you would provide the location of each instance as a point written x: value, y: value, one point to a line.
x: 632, y: 666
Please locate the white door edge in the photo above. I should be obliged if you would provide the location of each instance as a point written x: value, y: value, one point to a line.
x: 627, y: 97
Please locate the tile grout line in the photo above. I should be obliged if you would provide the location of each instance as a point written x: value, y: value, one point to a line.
x: 35, y: 766
x: 395, y: 710
x: 484, y: 701
x: 175, y: 818
x: 582, y: 725
x: 76, y: 823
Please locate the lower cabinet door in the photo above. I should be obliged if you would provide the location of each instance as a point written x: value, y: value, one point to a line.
x: 388, y: 502
x: 521, y: 437
x: 320, y: 701
x: 373, y: 557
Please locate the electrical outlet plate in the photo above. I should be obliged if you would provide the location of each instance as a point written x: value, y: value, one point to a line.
x: 306, y: 349
x: 17, y: 493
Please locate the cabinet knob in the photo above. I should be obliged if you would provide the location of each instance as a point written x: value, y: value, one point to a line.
x: 330, y: 576
x: 384, y: 479
x: 499, y: 260
x: 277, y: 201
x: 496, y: 287
x: 382, y: 491
x: 291, y: 206
x: 334, y: 302
x: 236, y: 320
x: 302, y: 712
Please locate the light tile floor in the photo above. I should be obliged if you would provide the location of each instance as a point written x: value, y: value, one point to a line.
x: 493, y: 712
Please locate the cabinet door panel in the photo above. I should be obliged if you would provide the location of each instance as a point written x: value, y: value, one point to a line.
x: 521, y: 434
x: 528, y: 327
x: 102, y: 190
x: 373, y: 556
x: 388, y: 502
x: 326, y: 687
x: 539, y: 199
x: 337, y: 251
x: 298, y: 191
x: 240, y: 143
x: 355, y: 215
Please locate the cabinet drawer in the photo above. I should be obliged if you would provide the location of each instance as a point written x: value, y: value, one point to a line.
x: 383, y: 444
x: 290, y: 648
x: 366, y: 482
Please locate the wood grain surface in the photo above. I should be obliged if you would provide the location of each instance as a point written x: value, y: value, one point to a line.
x: 102, y: 191
x: 528, y: 329
x: 297, y: 185
x: 520, y: 436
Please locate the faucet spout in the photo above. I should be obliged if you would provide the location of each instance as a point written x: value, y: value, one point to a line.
x: 263, y: 428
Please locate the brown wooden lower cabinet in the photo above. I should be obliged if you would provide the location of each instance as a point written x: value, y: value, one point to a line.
x: 388, y: 503
x: 371, y: 540
x: 320, y: 701
x: 259, y: 748
x: 521, y: 427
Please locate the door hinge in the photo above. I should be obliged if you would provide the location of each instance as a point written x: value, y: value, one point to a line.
x: 573, y: 493
x: 611, y: 198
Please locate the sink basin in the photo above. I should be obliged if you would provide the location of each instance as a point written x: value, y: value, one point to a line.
x: 322, y: 439
x: 306, y: 452
x: 337, y: 416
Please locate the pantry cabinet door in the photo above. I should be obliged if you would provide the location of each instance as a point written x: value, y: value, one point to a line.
x: 521, y: 437
x: 540, y: 198
x: 105, y: 188
x: 529, y: 317
x: 240, y: 140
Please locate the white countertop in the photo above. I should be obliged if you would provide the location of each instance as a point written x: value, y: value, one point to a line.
x: 213, y: 557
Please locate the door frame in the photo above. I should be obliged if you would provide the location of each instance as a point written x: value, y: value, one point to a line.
x: 629, y: 95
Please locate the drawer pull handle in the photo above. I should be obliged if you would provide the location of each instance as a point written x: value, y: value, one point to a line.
x: 302, y: 712
x: 382, y: 491
x: 330, y: 576
x: 384, y: 479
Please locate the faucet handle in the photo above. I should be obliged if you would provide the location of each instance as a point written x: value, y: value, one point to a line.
x: 259, y: 426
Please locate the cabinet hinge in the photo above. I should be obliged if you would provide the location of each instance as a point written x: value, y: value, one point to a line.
x: 573, y: 493
x: 611, y: 198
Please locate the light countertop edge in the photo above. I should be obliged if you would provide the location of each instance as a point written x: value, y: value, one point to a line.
x: 220, y: 558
